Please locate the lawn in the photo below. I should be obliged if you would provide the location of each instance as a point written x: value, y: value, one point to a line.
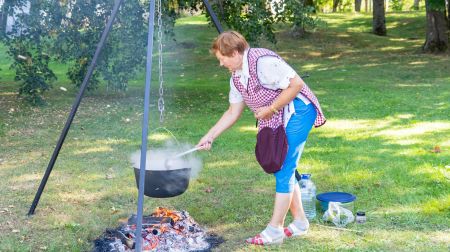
x: 387, y: 106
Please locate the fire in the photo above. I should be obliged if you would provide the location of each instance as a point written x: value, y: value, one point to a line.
x: 163, y: 230
x: 164, y: 212
x: 150, y: 243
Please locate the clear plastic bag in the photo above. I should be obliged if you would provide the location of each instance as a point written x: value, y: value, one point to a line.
x: 337, y: 214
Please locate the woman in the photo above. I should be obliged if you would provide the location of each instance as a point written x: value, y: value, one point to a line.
x: 277, y: 96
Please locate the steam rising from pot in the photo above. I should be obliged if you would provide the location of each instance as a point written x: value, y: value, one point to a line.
x: 157, y: 159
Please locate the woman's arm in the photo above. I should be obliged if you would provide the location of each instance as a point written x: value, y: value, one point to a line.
x: 286, y: 96
x: 226, y: 121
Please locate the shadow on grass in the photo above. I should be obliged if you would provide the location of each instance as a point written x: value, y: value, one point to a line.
x: 367, y: 161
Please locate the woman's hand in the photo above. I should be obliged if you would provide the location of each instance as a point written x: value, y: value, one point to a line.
x: 205, y: 143
x: 264, y: 113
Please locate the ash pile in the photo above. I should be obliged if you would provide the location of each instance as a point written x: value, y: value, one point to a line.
x: 163, y: 230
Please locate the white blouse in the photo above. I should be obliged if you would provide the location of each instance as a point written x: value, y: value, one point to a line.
x: 273, y: 73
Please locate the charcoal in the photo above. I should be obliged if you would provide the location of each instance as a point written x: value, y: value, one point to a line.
x: 109, y: 243
x: 149, y: 220
x: 214, y: 240
x: 176, y: 233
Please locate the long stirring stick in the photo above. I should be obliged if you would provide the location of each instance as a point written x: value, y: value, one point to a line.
x: 168, y: 163
x: 187, y: 152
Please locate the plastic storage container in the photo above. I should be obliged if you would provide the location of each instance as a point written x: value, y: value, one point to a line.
x: 346, y: 199
x: 308, y: 191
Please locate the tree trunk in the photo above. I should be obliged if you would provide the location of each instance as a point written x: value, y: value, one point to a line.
x: 437, y: 28
x: 3, y: 18
x: 298, y: 31
x: 335, y: 5
x: 448, y: 14
x: 366, y: 5
x: 416, y: 5
x: 221, y: 11
x: 309, y: 3
x: 379, y: 19
x: 358, y: 5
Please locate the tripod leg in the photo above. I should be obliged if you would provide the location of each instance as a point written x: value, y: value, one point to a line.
x: 213, y: 16
x: 74, y: 108
x: 148, y: 78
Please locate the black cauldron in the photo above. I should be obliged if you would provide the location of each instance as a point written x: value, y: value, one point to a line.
x: 164, y: 183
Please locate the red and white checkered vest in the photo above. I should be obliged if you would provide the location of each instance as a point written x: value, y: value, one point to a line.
x: 256, y: 96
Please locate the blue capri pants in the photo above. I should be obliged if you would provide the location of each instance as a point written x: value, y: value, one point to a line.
x: 297, y: 131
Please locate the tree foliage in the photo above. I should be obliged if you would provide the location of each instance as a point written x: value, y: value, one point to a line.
x: 28, y: 45
x: 255, y: 21
x: 68, y: 32
x: 397, y: 5
x: 79, y: 33
x: 296, y: 13
x: 258, y: 17
x: 31, y: 66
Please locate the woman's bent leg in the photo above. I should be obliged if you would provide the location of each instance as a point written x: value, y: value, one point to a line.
x: 281, y: 206
x: 287, y: 192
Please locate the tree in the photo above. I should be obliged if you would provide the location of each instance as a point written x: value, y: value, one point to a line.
x: 296, y: 13
x: 397, y: 5
x: 310, y: 3
x: 3, y: 18
x: 78, y: 35
x: 27, y: 45
x: 336, y: 4
x: 448, y: 14
x: 415, y: 5
x: 437, y: 27
x: 7, y: 9
x: 379, y: 19
x: 68, y: 32
x: 253, y: 18
x: 358, y: 5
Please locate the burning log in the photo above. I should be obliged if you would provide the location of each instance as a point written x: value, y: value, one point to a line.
x: 163, y: 230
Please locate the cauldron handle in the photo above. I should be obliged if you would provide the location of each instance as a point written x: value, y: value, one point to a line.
x: 167, y: 131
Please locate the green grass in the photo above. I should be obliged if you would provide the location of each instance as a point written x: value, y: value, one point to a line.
x: 387, y: 108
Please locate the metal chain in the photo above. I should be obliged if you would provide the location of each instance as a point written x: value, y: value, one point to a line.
x: 161, y: 80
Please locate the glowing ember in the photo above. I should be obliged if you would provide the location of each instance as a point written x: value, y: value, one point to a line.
x: 163, y: 230
x: 164, y: 212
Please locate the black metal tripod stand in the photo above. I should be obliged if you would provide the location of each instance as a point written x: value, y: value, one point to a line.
x: 83, y: 87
